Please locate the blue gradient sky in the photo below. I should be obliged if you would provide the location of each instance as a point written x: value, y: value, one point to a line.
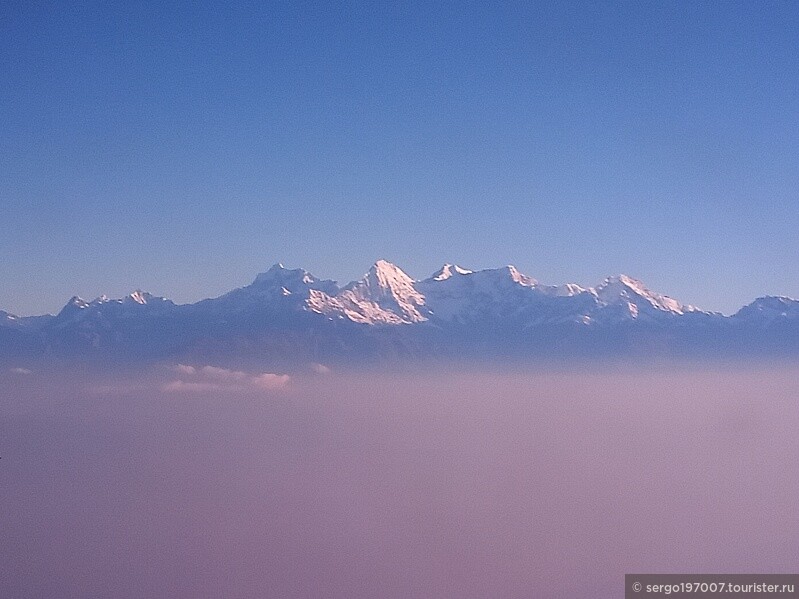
x: 183, y: 149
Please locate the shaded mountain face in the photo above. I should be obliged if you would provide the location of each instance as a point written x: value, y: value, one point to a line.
x: 495, y: 312
x: 769, y: 310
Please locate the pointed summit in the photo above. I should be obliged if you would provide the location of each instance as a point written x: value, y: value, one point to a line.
x: 621, y: 289
x: 77, y: 302
x: 449, y: 270
x: 279, y: 272
x: 138, y: 297
x: 74, y: 305
x: 143, y: 298
x: 384, y: 273
x: 385, y: 278
x: 518, y: 277
x: 628, y: 282
x: 390, y: 288
x: 288, y: 281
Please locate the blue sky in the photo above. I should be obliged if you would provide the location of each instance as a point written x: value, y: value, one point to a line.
x: 184, y: 148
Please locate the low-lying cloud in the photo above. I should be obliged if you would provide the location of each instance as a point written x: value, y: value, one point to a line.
x: 320, y: 368
x: 21, y: 371
x: 203, y: 379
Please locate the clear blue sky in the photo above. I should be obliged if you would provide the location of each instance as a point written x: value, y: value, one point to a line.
x: 184, y: 147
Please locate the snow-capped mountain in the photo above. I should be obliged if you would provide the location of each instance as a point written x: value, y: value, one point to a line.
x: 623, y: 297
x: 392, y: 291
x: 279, y: 289
x: 454, y: 311
x: 132, y: 305
x: 385, y: 295
x: 769, y: 310
x: 459, y: 295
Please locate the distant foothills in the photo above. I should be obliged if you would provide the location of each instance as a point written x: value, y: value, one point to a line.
x: 290, y: 316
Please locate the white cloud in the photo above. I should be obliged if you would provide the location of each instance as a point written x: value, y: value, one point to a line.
x: 214, y: 378
x: 184, y: 369
x: 320, y: 368
x: 20, y: 371
x: 267, y: 380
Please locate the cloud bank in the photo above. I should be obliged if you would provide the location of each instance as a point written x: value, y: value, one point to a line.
x: 450, y: 483
x: 203, y: 379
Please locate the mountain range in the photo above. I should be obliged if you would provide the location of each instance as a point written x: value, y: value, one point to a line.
x: 286, y: 315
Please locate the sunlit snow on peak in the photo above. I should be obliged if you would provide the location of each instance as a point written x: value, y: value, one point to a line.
x: 622, y: 288
x: 449, y: 270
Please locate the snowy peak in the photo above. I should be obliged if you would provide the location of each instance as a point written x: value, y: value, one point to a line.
x: 457, y: 295
x: 77, y: 305
x: 73, y: 306
x: 627, y: 282
x: 385, y: 295
x: 518, y: 277
x: 77, y: 302
x: 770, y: 308
x: 139, y: 297
x: 279, y: 292
x: 143, y: 298
x: 621, y: 289
x: 507, y: 276
x: 288, y: 281
x: 389, y: 288
x: 448, y: 271
x: 78, y: 309
x: 775, y: 301
x: 279, y: 273
x: 569, y: 290
x: 385, y: 275
x: 493, y: 312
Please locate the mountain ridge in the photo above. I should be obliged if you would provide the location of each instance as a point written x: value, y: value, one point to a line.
x: 454, y: 310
